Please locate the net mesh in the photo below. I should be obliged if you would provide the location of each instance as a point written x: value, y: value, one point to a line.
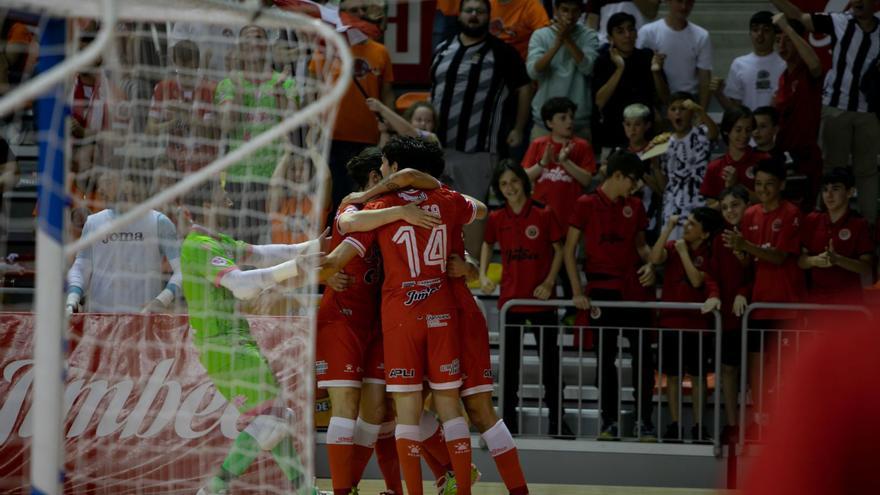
x: 201, y: 129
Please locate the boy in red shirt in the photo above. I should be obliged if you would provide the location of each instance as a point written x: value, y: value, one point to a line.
x: 531, y: 256
x: 612, y: 223
x: 737, y: 166
x: 837, y: 246
x: 686, y: 280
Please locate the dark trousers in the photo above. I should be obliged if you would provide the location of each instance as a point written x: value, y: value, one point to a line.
x: 340, y: 153
x: 548, y: 349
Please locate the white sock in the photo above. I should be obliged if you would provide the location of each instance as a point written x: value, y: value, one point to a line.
x: 340, y: 431
x: 387, y: 429
x: 456, y: 429
x: 365, y: 434
x: 498, y: 439
x: 428, y: 425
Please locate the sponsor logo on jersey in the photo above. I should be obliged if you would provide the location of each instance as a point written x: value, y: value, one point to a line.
x: 532, y: 232
x: 401, y: 373
x: 844, y: 234
x: 776, y: 225
x: 220, y: 261
x: 450, y: 368
x: 437, y: 321
x: 124, y: 237
x: 555, y: 174
x: 412, y: 195
x: 414, y: 296
x: 321, y: 367
x: 628, y: 211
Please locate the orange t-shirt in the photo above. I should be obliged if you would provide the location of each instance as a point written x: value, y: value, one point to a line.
x: 291, y: 224
x: 372, y: 68
x: 515, y: 21
x: 449, y: 7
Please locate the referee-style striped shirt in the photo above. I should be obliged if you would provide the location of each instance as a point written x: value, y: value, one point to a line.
x: 854, y: 50
x: 469, y: 85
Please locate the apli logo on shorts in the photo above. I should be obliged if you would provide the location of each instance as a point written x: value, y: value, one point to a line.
x: 844, y: 234
x: 532, y: 232
x: 401, y: 373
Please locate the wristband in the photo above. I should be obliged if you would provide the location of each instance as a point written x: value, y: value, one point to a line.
x: 73, y: 299
x: 165, y: 297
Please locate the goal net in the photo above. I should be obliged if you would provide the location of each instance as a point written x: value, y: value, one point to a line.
x: 176, y: 151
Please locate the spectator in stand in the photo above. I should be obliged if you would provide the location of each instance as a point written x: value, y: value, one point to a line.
x: 216, y: 44
x: 733, y: 273
x: 445, y: 22
x: 181, y: 110
x: 752, y: 79
x: 612, y: 223
x: 417, y: 121
x: 765, y: 129
x: 684, y: 165
x: 471, y: 77
x: 560, y: 164
x: 851, y: 133
x: 624, y: 75
x: 770, y: 233
x: 530, y: 239
x: 8, y: 171
x: 637, y: 125
x: 685, y: 280
x: 21, y: 50
x: 599, y: 12
x: 687, y: 47
x: 514, y: 21
x: 737, y: 166
x: 560, y: 59
x: 837, y: 245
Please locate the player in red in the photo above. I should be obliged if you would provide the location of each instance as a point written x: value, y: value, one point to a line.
x: 419, y: 313
x: 837, y: 247
x: 770, y: 233
x: 612, y: 223
x: 737, y: 166
x: 349, y: 359
x: 686, y: 280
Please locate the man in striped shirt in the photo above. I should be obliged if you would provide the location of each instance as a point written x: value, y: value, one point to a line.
x: 472, y: 75
x: 849, y: 129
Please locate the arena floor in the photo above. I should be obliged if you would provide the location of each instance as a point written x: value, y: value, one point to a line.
x: 369, y: 487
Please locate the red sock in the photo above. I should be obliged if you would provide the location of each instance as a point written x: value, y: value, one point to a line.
x: 503, y: 450
x: 434, y: 443
x: 409, y: 453
x: 386, y: 456
x: 365, y: 435
x: 458, y: 443
x: 340, y: 433
x: 438, y: 469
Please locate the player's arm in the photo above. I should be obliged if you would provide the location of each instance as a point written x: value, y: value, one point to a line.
x: 366, y: 220
x: 482, y: 211
x: 267, y: 255
x: 249, y: 284
x: 577, y: 291
x: 170, y: 249
x: 545, y: 290
x: 466, y: 267
x: 335, y: 261
x: 406, y: 178
x: 79, y: 275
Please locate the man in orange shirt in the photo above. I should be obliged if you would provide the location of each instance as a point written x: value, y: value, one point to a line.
x: 514, y: 21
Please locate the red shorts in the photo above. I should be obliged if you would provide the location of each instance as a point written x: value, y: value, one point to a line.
x: 476, y: 368
x: 345, y: 356
x: 421, y: 345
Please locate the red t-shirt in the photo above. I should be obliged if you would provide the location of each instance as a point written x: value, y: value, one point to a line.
x: 555, y: 187
x: 359, y: 303
x: 733, y: 280
x: 526, y: 240
x: 677, y: 288
x: 713, y: 183
x: 851, y: 237
x: 779, y: 229
x: 799, y: 103
x: 169, y: 98
x: 609, y: 229
x: 414, y: 258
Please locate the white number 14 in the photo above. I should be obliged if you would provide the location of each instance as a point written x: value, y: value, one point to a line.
x: 434, y: 253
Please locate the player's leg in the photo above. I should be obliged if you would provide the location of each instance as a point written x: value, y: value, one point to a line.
x: 386, y: 449
x: 433, y: 443
x: 408, y: 438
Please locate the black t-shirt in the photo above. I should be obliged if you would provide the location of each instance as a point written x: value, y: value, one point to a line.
x: 636, y: 86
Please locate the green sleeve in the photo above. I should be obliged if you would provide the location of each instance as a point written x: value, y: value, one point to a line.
x: 225, y: 91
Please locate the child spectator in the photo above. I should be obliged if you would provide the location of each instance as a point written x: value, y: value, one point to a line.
x: 531, y: 255
x: 837, y: 247
x: 637, y: 126
x: 561, y: 164
x: 686, y: 280
x: 765, y: 129
x: 684, y: 164
x: 732, y: 271
x: 612, y: 224
x: 737, y: 166
x: 753, y: 78
x: 687, y: 47
x: 600, y: 12
x: 417, y: 121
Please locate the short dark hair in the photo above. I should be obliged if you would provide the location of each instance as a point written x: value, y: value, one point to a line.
x: 487, y: 3
x: 731, y: 117
x: 769, y: 112
x: 618, y: 19
x: 772, y: 166
x: 557, y: 104
x: 839, y: 175
x: 185, y: 51
x: 680, y: 96
x: 412, y: 152
x: 709, y: 218
x: 516, y: 168
x: 738, y: 191
x: 763, y: 18
x: 625, y: 162
x: 360, y: 165
x: 579, y: 3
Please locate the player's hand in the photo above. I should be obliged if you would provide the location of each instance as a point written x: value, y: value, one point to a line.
x: 565, y: 151
x: 154, y: 306
x: 672, y: 222
x: 647, y: 275
x: 728, y: 174
x: 733, y: 240
x: 711, y: 304
x: 581, y: 302
x: 339, y: 281
x: 487, y: 285
x: 514, y: 138
x: 740, y: 303
x: 355, y: 198
x: 414, y: 215
x: 716, y: 85
x: 657, y: 62
x: 456, y: 267
x: 543, y: 291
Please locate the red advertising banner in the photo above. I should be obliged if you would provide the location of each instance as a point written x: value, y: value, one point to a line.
x: 408, y: 40
x: 141, y: 414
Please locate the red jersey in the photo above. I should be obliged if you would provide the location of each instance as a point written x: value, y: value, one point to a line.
x: 526, y: 240
x: 851, y: 237
x: 555, y: 187
x: 733, y: 280
x: 414, y: 258
x: 359, y: 303
x: 799, y: 103
x: 779, y: 229
x: 677, y: 288
x: 713, y: 183
x: 463, y: 295
x: 169, y: 100
x: 609, y: 229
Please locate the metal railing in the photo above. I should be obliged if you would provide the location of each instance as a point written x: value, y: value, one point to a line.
x: 638, y: 350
